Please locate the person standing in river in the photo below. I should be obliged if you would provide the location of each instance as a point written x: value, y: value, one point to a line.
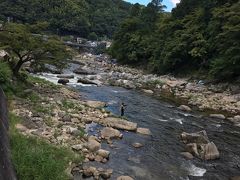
x: 122, y: 109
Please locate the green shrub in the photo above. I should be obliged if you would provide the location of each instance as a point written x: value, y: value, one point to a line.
x: 5, y: 72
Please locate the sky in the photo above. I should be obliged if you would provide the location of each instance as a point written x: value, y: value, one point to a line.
x: 169, y: 3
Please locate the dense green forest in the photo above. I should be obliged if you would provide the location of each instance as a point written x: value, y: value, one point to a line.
x: 79, y: 17
x: 201, y: 37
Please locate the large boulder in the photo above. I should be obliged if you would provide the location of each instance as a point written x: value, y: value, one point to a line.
x: 86, y: 81
x: 120, y: 123
x: 110, y: 133
x: 210, y: 152
x: 63, y: 81
x: 198, y: 137
x: 93, y: 145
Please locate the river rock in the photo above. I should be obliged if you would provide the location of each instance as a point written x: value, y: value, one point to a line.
x: 98, y: 158
x: 184, y: 108
x: 137, y: 145
x: 218, y: 116
x: 63, y: 81
x: 96, y: 104
x: 210, y: 152
x: 198, y: 137
x: 110, y: 133
x: 192, y: 148
x: 93, y: 145
x: 143, y: 131
x: 86, y: 81
x: 105, y: 174
x: 103, y: 153
x: 124, y: 178
x: 77, y: 147
x: 89, y: 171
x: 187, y: 155
x: 21, y: 128
x: 148, y: 91
x: 83, y: 72
x: 65, y: 76
x: 120, y: 123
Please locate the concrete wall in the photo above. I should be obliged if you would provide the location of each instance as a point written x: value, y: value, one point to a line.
x: 6, y: 168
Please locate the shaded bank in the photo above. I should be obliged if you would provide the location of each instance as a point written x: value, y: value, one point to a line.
x: 6, y: 168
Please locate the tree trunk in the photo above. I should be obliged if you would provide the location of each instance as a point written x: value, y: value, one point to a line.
x: 18, y: 67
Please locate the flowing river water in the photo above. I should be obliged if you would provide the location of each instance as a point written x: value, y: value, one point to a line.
x: 160, y: 158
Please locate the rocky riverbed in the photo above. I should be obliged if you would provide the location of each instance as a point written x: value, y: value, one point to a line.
x: 220, y: 100
x: 60, y: 116
x: 92, y: 78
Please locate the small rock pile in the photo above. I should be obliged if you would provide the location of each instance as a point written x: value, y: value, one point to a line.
x: 198, y: 144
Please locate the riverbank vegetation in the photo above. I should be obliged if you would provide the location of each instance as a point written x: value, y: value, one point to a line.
x: 199, y: 37
x: 23, y: 47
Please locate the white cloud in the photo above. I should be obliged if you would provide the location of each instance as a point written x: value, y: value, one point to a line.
x: 175, y: 2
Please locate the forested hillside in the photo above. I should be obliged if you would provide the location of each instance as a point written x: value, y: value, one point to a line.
x: 80, y: 17
x: 198, y: 36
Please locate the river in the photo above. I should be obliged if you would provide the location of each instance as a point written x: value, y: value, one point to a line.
x: 160, y: 158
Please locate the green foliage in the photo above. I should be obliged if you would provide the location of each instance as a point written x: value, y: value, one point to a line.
x: 5, y: 72
x: 92, y: 36
x: 68, y: 16
x: 23, y: 47
x: 198, y: 36
x: 36, y: 159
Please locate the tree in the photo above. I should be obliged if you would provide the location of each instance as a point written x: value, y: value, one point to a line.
x: 23, y: 47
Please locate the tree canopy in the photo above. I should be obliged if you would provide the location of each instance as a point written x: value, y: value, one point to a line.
x: 198, y: 36
x: 80, y: 17
x: 24, y: 46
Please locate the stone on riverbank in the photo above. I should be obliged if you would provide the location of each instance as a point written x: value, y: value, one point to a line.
x: 93, y: 145
x: 110, y: 133
x: 143, y: 131
x: 185, y: 108
x: 86, y: 81
x: 218, y: 116
x: 63, y: 81
x: 103, y: 153
x: 148, y: 91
